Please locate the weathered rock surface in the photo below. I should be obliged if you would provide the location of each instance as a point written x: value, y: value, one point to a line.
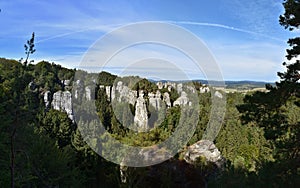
x: 179, y: 88
x: 204, y: 148
x: 218, y: 94
x: 204, y: 89
x: 182, y: 100
x: 159, y: 85
x: 166, y: 99
x: 88, y: 93
x: 155, y: 99
x: 66, y: 82
x: 141, y: 115
x: 78, y: 87
x: 47, y: 99
x: 62, y: 101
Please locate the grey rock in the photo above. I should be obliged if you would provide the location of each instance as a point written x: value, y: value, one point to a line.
x: 66, y: 82
x: 166, y: 99
x: 62, y: 101
x: 191, y: 88
x: 108, y: 92
x: 179, y: 88
x: 159, y: 85
x: 204, y: 89
x: 182, y: 100
x: 132, y: 96
x: 47, y: 99
x: 218, y: 94
x: 88, y: 93
x: 155, y: 99
x: 113, y: 93
x: 204, y: 148
x: 78, y: 88
x: 141, y: 115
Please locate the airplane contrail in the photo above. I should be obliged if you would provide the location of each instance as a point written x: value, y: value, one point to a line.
x: 166, y: 21
x: 113, y: 26
x: 224, y: 27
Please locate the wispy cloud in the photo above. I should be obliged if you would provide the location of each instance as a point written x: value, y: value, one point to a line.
x: 225, y: 27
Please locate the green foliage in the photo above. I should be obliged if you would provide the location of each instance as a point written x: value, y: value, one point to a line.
x: 44, y: 148
x: 50, y: 76
x: 141, y: 84
x: 106, y: 79
x: 277, y: 111
x: 58, y: 126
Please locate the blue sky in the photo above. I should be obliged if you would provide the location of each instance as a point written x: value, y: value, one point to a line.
x: 244, y: 36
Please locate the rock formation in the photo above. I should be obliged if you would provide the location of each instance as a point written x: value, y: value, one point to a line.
x: 159, y: 85
x: 141, y: 115
x: 179, y: 88
x: 88, y: 93
x: 166, y: 99
x: 47, y: 99
x: 204, y: 148
x: 182, y: 100
x: 218, y: 94
x: 78, y: 87
x: 62, y: 101
x: 204, y: 89
x: 155, y: 99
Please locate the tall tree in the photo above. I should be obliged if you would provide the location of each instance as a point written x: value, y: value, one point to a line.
x: 271, y: 110
x: 20, y: 107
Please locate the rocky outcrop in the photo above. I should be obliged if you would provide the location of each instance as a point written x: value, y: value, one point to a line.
x: 159, y: 85
x: 204, y: 89
x: 141, y: 115
x: 66, y: 82
x: 182, y: 100
x: 108, y: 92
x: 218, y: 94
x: 88, y: 93
x: 78, y: 89
x: 166, y: 99
x: 179, y: 88
x: 62, y: 101
x: 47, y: 99
x: 155, y: 99
x: 121, y: 93
x: 203, y: 148
x: 191, y: 89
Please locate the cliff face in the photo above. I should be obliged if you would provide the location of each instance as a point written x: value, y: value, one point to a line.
x: 122, y: 93
x: 155, y: 99
x: 141, y: 115
x: 119, y: 92
x: 62, y: 101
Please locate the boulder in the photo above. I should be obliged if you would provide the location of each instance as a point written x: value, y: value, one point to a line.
x: 204, y: 148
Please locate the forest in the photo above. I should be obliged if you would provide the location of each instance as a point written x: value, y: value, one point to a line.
x: 42, y: 146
